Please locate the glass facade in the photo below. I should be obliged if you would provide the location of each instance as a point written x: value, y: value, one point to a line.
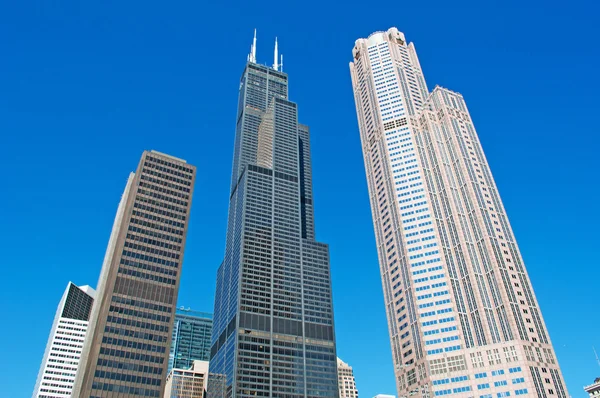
x: 273, y: 333
x: 191, y: 338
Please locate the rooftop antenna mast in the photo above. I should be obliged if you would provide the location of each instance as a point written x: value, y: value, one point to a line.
x: 275, y: 56
x: 252, y: 55
x: 596, y: 354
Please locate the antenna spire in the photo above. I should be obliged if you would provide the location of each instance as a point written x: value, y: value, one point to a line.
x: 252, y: 55
x: 595, y: 353
x: 281, y: 63
x: 275, y: 56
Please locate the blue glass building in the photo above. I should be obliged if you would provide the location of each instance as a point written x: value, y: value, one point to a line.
x: 273, y: 333
x: 191, y: 338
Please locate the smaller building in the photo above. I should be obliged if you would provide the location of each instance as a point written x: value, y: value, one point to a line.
x: 384, y: 396
x: 65, y: 343
x: 191, y: 338
x: 594, y: 389
x: 188, y: 383
x: 346, y: 382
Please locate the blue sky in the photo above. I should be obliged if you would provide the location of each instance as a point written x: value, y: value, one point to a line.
x: 85, y: 87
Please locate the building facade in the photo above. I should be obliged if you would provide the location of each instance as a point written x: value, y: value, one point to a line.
x: 346, y: 382
x: 462, y: 315
x: 273, y: 332
x: 126, y: 351
x: 593, y: 389
x: 63, y: 350
x: 191, y: 338
x: 190, y: 382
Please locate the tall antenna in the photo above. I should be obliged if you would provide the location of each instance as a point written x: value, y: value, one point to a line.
x: 275, y: 56
x: 595, y: 353
x: 281, y: 63
x: 252, y: 55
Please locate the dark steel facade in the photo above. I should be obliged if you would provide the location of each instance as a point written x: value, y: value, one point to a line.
x: 273, y: 333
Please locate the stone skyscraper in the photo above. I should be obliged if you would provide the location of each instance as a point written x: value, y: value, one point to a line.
x: 273, y: 333
x: 126, y: 352
x: 462, y: 315
x: 65, y: 343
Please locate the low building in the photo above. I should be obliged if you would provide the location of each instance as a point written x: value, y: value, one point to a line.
x: 188, y: 383
x: 346, y: 382
x: 593, y: 389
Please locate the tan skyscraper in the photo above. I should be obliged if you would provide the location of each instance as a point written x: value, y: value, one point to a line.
x: 462, y: 316
x: 126, y: 351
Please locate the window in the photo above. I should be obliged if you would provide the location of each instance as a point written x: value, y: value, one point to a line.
x: 514, y: 370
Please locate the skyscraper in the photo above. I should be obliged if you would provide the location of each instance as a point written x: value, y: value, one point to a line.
x: 273, y: 333
x: 346, y: 381
x: 126, y: 352
x: 191, y: 338
x: 63, y: 350
x: 462, y: 315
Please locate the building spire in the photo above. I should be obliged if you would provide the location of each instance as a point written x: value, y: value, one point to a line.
x: 275, y: 56
x: 252, y: 55
x: 281, y: 63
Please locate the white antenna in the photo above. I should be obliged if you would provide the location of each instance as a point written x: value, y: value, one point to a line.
x: 275, y: 56
x: 252, y: 55
x: 281, y: 63
x: 595, y: 353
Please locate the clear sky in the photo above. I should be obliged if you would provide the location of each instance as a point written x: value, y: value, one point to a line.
x: 86, y: 86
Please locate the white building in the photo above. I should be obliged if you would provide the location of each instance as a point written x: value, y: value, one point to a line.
x: 593, y: 389
x: 63, y: 350
x: 462, y: 315
x: 384, y: 396
x: 346, y: 382
x: 187, y: 383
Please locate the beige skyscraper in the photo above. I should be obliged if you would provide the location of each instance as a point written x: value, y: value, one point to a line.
x: 462, y: 316
x: 126, y: 351
x: 346, y: 381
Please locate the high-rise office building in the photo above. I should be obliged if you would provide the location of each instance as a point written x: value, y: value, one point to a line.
x: 273, y: 332
x: 190, y: 382
x: 346, y: 382
x: 63, y: 350
x: 191, y: 338
x: 462, y: 315
x: 126, y: 352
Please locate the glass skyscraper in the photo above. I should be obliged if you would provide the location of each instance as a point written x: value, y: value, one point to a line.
x: 126, y: 351
x: 462, y: 316
x: 191, y: 338
x: 273, y: 333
